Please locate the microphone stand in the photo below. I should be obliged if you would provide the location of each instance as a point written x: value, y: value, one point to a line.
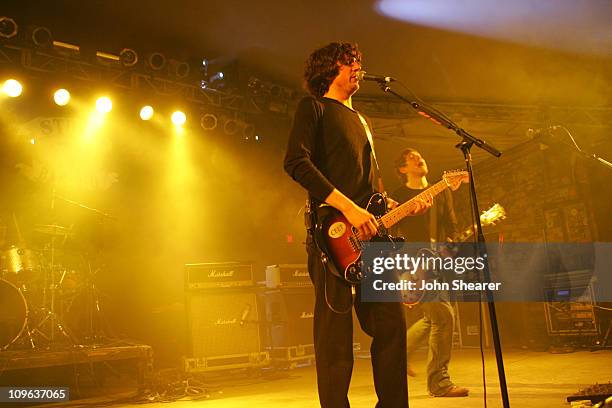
x: 577, y: 149
x: 467, y: 141
x: 598, y: 159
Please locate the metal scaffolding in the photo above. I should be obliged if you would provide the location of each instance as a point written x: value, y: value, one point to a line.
x: 46, y: 62
x: 43, y: 62
x: 534, y: 115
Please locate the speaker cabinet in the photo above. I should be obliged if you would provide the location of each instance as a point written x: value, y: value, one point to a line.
x: 222, y: 322
x: 289, y: 316
x: 468, y: 324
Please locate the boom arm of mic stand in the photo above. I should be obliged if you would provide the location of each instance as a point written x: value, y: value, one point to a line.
x: 578, y: 150
x: 602, y: 161
x: 593, y: 156
x: 444, y: 121
x: 94, y: 210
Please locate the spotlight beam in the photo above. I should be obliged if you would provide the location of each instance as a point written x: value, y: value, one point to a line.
x: 146, y: 112
x: 12, y: 88
x: 104, y: 105
x: 178, y: 118
x: 61, y: 97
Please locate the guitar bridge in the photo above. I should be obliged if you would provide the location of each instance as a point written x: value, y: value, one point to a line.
x: 355, y: 243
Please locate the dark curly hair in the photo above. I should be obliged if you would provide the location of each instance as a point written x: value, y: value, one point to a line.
x: 400, y: 162
x: 322, y: 65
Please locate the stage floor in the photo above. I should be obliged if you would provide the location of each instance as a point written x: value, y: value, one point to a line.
x: 535, y: 379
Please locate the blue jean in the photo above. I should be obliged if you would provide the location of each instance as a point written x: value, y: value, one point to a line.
x: 436, y: 326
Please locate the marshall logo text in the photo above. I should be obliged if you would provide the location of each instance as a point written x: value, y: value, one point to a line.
x: 225, y: 322
x: 220, y: 274
x: 300, y: 274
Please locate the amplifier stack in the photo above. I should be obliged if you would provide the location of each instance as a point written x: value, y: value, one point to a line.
x: 288, y: 302
x: 223, y: 318
x: 233, y: 323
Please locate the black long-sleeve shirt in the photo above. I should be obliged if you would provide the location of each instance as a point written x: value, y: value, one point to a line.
x: 418, y: 229
x: 328, y: 148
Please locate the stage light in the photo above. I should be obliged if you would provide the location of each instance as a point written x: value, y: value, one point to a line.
x: 41, y: 37
x: 208, y: 122
x: 106, y: 58
x: 156, y: 61
x: 8, y: 27
x: 12, y: 88
x: 180, y: 69
x: 178, y: 118
x: 230, y: 127
x: 66, y: 49
x: 217, y: 77
x: 104, y: 104
x: 248, y: 131
x: 216, y: 81
x: 205, y: 68
x: 146, y: 112
x: 128, y: 57
x: 61, y: 97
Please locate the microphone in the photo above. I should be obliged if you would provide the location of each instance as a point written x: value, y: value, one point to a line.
x: 364, y: 76
x: 245, y: 314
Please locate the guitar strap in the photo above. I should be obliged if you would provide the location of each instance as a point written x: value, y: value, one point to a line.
x: 381, y: 187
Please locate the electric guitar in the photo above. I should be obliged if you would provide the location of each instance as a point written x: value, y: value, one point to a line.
x: 340, y: 241
x: 412, y: 297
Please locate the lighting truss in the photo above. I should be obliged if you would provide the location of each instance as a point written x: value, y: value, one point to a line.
x: 39, y: 61
x: 595, y: 117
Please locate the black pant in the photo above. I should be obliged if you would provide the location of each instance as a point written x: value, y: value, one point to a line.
x: 333, y: 338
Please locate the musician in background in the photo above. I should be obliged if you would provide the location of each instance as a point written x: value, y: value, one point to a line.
x: 438, y: 319
x: 329, y: 154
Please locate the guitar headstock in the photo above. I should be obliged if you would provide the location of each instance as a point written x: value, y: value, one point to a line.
x: 493, y: 214
x: 454, y: 178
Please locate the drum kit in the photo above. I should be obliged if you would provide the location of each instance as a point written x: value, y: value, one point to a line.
x: 48, y: 294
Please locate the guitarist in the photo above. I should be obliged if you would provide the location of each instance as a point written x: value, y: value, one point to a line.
x: 438, y: 317
x: 329, y: 154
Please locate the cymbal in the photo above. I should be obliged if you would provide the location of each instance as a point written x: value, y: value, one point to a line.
x: 52, y: 229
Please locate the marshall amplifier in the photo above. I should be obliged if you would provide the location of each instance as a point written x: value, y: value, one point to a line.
x: 289, y: 316
x: 223, y: 330
x: 287, y: 276
x: 218, y: 275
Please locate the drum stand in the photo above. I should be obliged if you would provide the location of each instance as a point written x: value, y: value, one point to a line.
x: 26, y: 332
x: 96, y: 326
x: 27, y: 335
x: 51, y: 318
x: 95, y: 317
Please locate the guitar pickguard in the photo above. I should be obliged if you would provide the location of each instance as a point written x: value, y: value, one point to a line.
x: 339, y: 239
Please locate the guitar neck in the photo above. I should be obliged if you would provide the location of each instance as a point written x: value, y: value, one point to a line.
x: 463, y: 236
x: 489, y: 217
x: 399, y: 213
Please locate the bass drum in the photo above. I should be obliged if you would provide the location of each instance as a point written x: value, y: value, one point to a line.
x: 13, y: 313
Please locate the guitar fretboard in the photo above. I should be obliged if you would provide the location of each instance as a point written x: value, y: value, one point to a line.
x: 397, y: 214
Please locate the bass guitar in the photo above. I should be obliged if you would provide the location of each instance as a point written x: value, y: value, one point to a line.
x: 340, y: 241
